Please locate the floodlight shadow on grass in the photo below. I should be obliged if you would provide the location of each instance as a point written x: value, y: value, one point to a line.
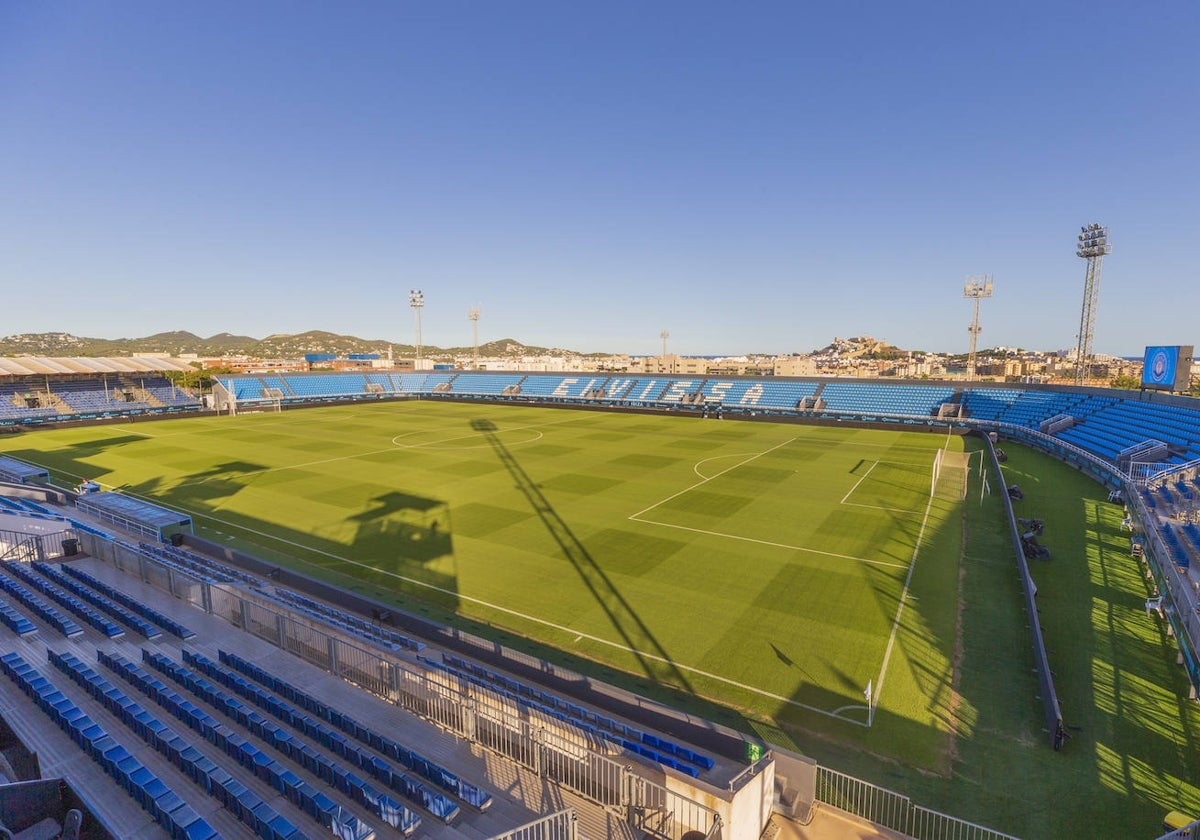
x: 415, y: 527
x: 641, y: 642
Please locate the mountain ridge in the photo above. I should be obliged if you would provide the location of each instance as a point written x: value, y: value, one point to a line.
x: 276, y: 345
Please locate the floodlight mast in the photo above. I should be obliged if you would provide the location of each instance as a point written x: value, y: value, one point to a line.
x: 473, y: 313
x: 977, y: 287
x: 664, y: 335
x: 1093, y: 244
x: 416, y: 299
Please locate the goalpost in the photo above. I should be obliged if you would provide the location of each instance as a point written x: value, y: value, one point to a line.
x: 949, y: 474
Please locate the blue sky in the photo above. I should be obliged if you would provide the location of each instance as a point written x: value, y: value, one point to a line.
x: 752, y: 177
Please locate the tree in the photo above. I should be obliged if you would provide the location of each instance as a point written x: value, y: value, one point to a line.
x: 198, y: 379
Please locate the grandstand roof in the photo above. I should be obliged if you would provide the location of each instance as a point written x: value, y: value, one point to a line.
x: 133, y: 514
x: 13, y: 470
x: 47, y: 366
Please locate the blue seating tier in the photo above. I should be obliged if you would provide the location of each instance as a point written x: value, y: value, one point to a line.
x: 487, y: 384
x: 235, y: 796
x: 62, y: 623
x: 412, y: 760
x: 151, y: 793
x: 144, y: 628
x: 165, y: 622
x: 297, y: 749
x: 14, y: 621
x: 348, y: 621
x: 110, y: 629
x: 636, y: 741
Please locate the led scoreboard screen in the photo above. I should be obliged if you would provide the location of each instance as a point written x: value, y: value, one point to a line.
x: 1167, y: 368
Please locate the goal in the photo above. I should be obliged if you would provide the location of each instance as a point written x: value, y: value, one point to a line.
x: 950, y: 470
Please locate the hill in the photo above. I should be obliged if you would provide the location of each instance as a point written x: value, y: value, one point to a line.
x: 279, y: 345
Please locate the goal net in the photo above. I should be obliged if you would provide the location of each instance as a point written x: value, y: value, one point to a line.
x: 950, y: 470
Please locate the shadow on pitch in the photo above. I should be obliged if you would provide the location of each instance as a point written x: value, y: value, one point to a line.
x: 653, y: 658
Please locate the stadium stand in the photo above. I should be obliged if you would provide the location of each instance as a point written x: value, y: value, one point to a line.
x: 409, y: 383
x: 158, y: 800
x: 414, y: 761
x: 149, y: 613
x: 206, y: 569
x: 303, y: 745
x: 556, y: 387
x: 14, y: 621
x: 885, y: 400
x: 484, y: 383
x: 60, y: 622
x: 288, y: 745
x: 349, y: 622
x: 317, y: 385
x: 104, y: 604
x: 110, y: 629
x: 640, y: 390
x: 630, y: 738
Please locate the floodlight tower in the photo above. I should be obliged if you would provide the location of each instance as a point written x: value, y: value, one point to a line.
x: 978, y: 287
x: 473, y: 313
x: 1093, y: 244
x: 664, y: 335
x: 416, y: 299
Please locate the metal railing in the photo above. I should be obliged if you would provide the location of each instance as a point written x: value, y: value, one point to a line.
x: 562, y: 825
x: 21, y: 545
x: 895, y: 811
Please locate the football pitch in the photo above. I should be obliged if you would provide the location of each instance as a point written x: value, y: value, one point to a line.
x: 775, y: 569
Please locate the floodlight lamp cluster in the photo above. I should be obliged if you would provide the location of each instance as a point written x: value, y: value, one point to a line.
x: 416, y: 298
x: 978, y: 286
x: 1093, y: 241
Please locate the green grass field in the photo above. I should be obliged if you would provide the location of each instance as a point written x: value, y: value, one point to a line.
x: 760, y: 574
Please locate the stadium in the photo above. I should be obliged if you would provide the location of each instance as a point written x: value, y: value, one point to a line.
x: 531, y: 605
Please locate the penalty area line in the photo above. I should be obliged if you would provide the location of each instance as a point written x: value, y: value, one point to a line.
x: 770, y: 543
x: 861, y: 479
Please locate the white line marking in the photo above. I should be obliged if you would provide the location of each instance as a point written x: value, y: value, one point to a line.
x: 860, y: 481
x: 887, y: 654
x: 710, y: 478
x: 841, y: 709
x: 696, y: 466
x: 880, y: 507
x: 438, y: 445
x: 773, y: 544
x: 637, y: 517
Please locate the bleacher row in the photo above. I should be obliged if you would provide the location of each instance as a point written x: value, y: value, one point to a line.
x: 51, y: 615
x: 316, y: 805
x: 65, y: 599
x: 243, y: 803
x: 143, y: 628
x: 179, y: 820
x: 414, y: 761
x: 14, y: 621
x: 355, y: 625
x: 149, y: 613
x: 630, y: 738
x: 211, y: 571
x: 91, y: 398
x: 25, y: 507
x: 208, y: 571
